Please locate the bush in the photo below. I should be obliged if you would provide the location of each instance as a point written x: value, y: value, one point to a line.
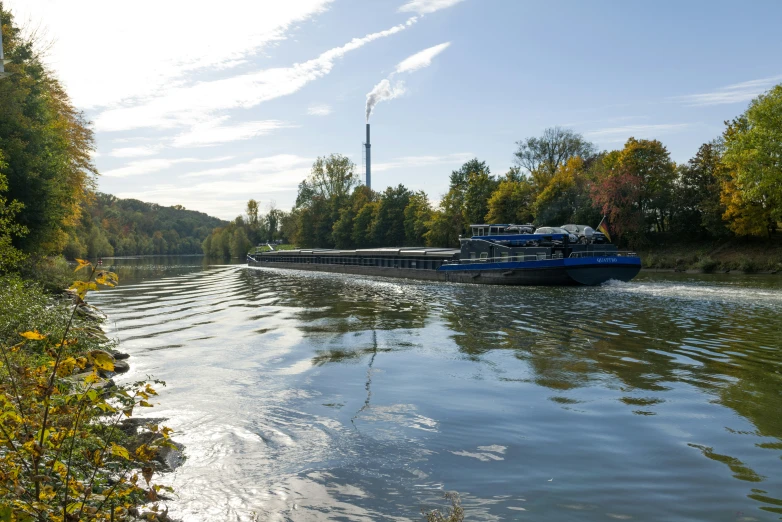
x: 64, y: 456
x: 53, y: 273
x: 747, y: 265
x: 707, y: 265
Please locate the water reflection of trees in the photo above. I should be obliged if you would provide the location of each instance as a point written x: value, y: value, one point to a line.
x: 338, y: 304
x: 726, y: 353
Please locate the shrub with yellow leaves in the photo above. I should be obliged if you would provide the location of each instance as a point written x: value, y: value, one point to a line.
x: 63, y: 454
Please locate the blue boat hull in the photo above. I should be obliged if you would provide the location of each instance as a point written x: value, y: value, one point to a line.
x: 588, y: 271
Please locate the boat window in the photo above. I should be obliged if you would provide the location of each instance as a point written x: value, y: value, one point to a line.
x: 504, y: 256
x: 472, y: 255
x: 484, y: 256
x: 541, y: 255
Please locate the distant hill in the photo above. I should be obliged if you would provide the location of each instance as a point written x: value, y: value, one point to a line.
x: 121, y: 227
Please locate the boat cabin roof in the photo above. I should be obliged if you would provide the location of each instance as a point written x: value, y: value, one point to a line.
x: 499, y: 229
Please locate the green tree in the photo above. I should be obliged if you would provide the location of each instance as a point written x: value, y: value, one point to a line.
x: 512, y: 201
x: 417, y: 215
x: 48, y: 146
x: 753, y: 155
x: 239, y: 244
x: 10, y: 257
x: 480, y: 186
x: 362, y: 225
x: 555, y: 147
x: 697, y: 193
x: 343, y: 227
x: 388, y: 228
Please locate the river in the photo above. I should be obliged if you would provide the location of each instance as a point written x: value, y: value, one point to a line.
x: 308, y: 396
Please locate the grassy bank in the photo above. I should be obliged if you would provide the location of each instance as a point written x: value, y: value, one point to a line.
x: 747, y: 256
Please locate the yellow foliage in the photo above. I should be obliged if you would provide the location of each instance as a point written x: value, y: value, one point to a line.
x: 101, y: 360
x: 81, y: 264
x: 33, y: 336
x: 119, y: 451
x: 744, y: 217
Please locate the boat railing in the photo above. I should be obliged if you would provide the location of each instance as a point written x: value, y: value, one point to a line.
x: 515, y: 258
x: 604, y: 253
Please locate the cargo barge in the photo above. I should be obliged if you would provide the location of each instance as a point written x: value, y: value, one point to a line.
x: 493, y: 255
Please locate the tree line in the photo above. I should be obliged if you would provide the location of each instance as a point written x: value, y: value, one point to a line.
x: 121, y: 227
x: 731, y: 187
x: 235, y: 239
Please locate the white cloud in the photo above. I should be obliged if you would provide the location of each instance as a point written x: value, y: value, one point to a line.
x: 134, y: 152
x: 110, y: 52
x: 225, y: 198
x: 319, y: 110
x: 423, y: 7
x: 212, y: 133
x: 421, y: 59
x: 277, y: 163
x: 189, y: 105
x: 422, y: 161
x: 736, y: 93
x: 621, y: 134
x: 136, y: 168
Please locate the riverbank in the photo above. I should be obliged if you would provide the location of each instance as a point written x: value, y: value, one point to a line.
x: 748, y: 256
x: 57, y: 380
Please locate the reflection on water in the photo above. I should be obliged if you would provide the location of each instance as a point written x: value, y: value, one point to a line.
x: 305, y: 396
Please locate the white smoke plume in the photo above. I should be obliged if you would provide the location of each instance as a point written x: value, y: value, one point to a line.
x: 385, y: 90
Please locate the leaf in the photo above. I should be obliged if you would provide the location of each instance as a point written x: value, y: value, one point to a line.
x: 119, y: 451
x: 145, y: 404
x: 59, y: 467
x: 106, y: 278
x: 82, y: 287
x: 5, y: 513
x: 81, y: 264
x: 33, y: 336
x: 101, y: 360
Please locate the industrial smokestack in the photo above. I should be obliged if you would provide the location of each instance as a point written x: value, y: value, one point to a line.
x: 369, y: 161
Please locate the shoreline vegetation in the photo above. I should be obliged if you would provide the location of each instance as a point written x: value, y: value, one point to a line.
x: 70, y: 447
x: 688, y: 216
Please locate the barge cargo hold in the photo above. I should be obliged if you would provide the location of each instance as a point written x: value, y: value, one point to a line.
x: 497, y: 259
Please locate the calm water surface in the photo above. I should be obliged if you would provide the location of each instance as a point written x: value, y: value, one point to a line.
x: 305, y: 396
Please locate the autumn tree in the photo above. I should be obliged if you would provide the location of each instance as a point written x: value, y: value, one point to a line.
x: 10, y: 257
x: 48, y: 146
x: 512, y: 201
x: 566, y: 198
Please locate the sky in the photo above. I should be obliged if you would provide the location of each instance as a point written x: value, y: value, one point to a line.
x: 208, y: 104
